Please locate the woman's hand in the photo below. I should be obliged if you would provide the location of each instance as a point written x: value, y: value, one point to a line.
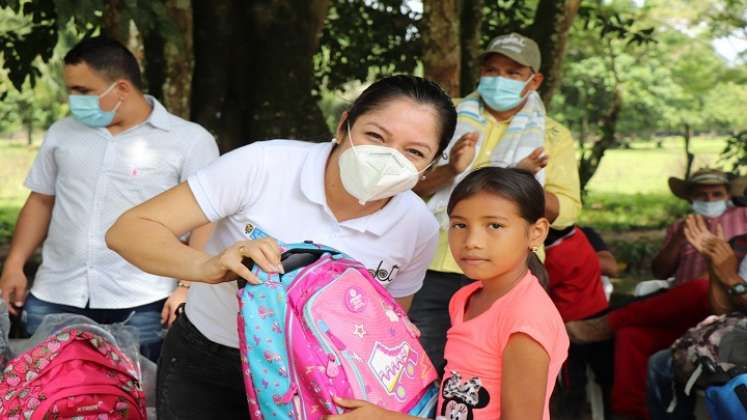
x: 535, y: 162
x: 227, y: 265
x: 364, y: 410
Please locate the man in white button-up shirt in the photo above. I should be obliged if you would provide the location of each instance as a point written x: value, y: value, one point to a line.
x: 119, y: 148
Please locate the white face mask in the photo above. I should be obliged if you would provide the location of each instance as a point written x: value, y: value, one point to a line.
x: 710, y: 208
x: 372, y: 172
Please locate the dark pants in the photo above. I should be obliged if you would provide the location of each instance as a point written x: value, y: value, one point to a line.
x: 569, y: 397
x: 430, y: 312
x: 197, y: 378
x: 146, y: 319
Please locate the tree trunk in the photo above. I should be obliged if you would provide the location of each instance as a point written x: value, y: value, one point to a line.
x: 29, y: 132
x: 441, y: 50
x: 253, y: 73
x: 552, y: 21
x: 168, y: 60
x: 154, y: 63
x: 112, y: 24
x: 470, y: 16
x: 589, y: 163
x: 179, y: 59
x: 689, y: 156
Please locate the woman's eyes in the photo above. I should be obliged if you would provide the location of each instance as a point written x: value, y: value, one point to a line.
x: 375, y: 136
x: 495, y: 226
x: 416, y: 152
x: 458, y: 226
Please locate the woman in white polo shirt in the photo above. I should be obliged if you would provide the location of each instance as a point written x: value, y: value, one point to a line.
x: 353, y: 195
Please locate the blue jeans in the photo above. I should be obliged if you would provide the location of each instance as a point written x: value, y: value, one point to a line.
x: 146, y: 319
x: 660, y: 387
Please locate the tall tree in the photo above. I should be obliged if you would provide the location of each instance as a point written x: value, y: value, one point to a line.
x: 441, y: 46
x: 470, y: 23
x: 552, y: 21
x: 259, y: 83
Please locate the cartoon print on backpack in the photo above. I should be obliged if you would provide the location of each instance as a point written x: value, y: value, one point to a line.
x: 461, y: 398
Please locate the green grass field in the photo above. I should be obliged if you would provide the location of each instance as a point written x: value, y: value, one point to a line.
x: 628, y: 200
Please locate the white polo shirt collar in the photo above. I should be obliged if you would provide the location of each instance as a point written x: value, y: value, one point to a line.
x: 312, y: 185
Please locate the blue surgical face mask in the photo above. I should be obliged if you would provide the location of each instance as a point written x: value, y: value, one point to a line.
x: 87, y: 109
x: 710, y: 209
x: 500, y: 93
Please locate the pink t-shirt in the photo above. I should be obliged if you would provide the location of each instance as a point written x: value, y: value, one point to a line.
x: 471, y: 388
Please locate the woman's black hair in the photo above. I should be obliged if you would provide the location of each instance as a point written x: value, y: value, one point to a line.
x: 515, y: 185
x: 416, y: 88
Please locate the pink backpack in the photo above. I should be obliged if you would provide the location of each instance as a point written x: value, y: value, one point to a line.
x: 327, y: 328
x: 74, y: 374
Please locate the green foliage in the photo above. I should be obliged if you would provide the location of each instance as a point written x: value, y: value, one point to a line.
x: 30, y: 29
x: 620, y: 212
x: 506, y: 16
x: 736, y: 151
x: 362, y: 38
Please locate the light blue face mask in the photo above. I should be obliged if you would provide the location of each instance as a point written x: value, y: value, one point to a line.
x: 87, y: 109
x: 710, y: 209
x: 500, y: 93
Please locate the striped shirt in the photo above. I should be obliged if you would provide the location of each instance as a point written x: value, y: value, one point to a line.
x: 690, y: 264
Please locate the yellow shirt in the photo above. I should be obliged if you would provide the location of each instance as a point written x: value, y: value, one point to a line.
x: 561, y: 179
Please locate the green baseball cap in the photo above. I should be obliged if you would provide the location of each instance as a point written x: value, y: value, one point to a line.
x: 517, y: 47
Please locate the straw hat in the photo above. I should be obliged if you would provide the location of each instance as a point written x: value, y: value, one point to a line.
x: 681, y: 188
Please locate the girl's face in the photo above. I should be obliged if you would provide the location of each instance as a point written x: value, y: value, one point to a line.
x: 408, y: 126
x: 489, y: 238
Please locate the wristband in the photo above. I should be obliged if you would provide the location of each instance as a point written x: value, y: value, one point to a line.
x: 738, y: 289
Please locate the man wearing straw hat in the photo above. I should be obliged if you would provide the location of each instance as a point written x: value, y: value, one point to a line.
x: 710, y: 193
x: 646, y: 326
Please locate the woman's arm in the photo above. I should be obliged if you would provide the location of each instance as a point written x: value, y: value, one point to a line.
x: 524, y: 379
x: 148, y: 237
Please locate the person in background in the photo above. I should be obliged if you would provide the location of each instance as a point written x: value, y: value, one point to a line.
x: 119, y: 148
x: 709, y: 192
x: 502, y: 123
x: 727, y: 294
x: 648, y: 325
x: 607, y: 260
x: 577, y: 290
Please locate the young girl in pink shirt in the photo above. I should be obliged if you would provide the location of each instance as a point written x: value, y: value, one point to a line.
x: 507, y: 341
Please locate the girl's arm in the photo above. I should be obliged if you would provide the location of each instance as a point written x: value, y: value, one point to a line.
x: 524, y: 379
x: 148, y: 237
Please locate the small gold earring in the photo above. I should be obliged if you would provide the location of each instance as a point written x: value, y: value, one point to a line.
x: 534, y: 249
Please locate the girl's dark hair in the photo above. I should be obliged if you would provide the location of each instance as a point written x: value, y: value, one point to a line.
x: 416, y: 88
x: 516, y: 185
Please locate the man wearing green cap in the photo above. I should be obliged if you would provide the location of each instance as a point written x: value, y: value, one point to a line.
x: 502, y: 123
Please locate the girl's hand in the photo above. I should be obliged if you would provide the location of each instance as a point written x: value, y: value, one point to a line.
x: 363, y: 410
x: 535, y: 161
x: 228, y: 265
